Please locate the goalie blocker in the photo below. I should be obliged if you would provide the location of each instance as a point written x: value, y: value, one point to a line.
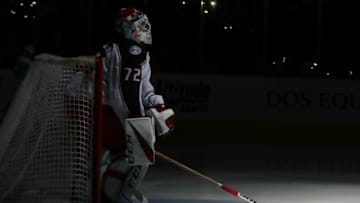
x: 164, y: 119
x: 140, y: 140
x: 140, y: 134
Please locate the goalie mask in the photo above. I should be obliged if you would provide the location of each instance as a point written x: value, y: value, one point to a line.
x: 134, y: 25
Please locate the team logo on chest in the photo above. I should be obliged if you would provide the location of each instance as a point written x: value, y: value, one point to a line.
x: 135, y: 50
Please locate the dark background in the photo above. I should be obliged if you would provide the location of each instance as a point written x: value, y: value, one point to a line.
x: 282, y: 38
x: 249, y: 37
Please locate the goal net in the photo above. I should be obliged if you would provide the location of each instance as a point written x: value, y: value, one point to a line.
x: 47, y: 138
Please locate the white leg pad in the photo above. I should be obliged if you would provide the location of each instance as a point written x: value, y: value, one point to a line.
x: 121, y: 182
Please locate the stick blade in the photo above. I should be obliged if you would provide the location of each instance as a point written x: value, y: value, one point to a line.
x: 236, y: 193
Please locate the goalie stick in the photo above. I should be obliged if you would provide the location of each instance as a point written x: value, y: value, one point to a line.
x: 192, y: 171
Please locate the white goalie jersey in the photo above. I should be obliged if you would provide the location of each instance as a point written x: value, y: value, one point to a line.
x: 127, y: 88
x: 117, y: 75
x: 124, y: 83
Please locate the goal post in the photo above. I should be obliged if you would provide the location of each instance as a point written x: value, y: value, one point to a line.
x: 50, y: 138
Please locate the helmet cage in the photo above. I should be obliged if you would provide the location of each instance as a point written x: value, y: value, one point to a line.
x: 133, y: 24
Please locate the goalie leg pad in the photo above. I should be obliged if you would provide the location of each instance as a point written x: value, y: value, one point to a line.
x: 121, y: 182
x: 140, y: 141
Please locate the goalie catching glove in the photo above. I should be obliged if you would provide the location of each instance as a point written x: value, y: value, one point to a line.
x: 164, y: 119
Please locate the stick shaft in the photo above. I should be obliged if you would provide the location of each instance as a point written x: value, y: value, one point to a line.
x: 192, y: 171
x: 186, y: 168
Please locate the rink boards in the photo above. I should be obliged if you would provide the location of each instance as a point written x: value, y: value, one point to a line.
x: 262, y: 110
x: 264, y: 133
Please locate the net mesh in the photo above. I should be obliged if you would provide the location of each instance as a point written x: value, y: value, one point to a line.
x: 46, y: 137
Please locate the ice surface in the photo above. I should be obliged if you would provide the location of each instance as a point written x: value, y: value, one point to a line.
x: 172, y: 185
